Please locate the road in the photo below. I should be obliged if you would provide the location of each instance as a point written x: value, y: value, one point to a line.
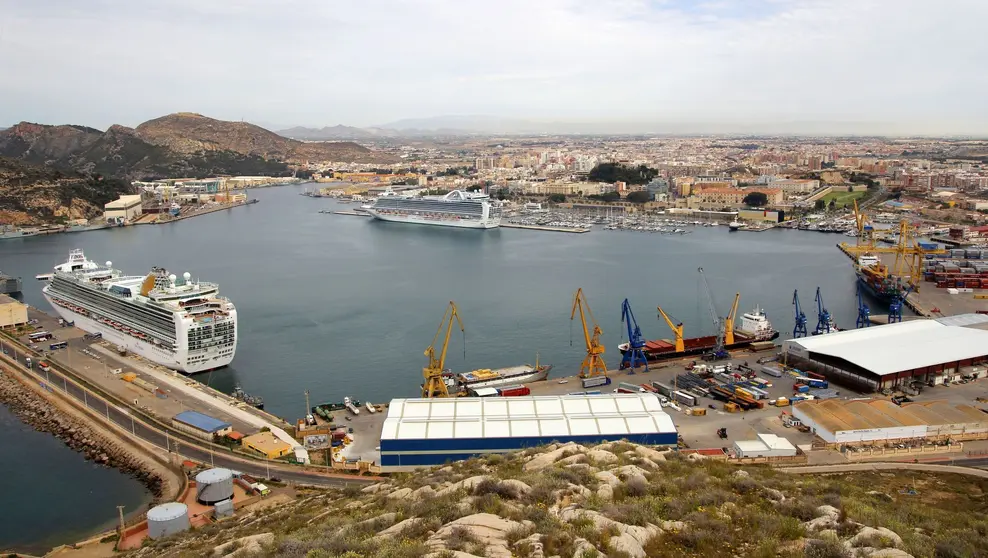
x: 963, y: 466
x: 170, y: 440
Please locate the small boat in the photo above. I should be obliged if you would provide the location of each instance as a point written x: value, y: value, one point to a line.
x: 734, y: 226
x: 253, y: 400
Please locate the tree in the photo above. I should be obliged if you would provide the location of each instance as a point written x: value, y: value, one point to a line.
x: 639, y: 197
x: 616, y: 172
x: 557, y: 198
x: 755, y: 199
x: 850, y: 188
x: 819, y: 205
x: 606, y: 197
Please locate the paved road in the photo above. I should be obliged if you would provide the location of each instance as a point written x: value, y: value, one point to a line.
x: 176, y: 442
x: 963, y: 466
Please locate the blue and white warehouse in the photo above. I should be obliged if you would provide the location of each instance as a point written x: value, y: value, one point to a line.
x: 434, y: 431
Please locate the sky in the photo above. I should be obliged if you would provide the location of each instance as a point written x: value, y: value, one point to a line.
x: 889, y: 66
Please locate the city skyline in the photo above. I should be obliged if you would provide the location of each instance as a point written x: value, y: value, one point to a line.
x: 558, y: 66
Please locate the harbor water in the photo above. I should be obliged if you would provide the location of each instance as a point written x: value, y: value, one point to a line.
x: 342, y: 305
x: 52, y: 494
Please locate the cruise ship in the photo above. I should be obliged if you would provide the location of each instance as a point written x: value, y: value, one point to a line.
x: 172, y: 321
x: 471, y: 210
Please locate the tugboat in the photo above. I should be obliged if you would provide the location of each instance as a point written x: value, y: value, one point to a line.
x: 255, y: 401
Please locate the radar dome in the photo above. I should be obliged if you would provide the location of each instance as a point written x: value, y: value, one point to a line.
x: 187, y: 276
x: 172, y: 278
x: 109, y: 263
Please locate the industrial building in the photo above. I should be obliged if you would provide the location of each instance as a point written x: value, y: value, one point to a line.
x: 885, y: 356
x: 879, y: 420
x: 765, y: 445
x: 123, y: 209
x: 200, y: 425
x: 266, y: 444
x: 433, y: 431
x: 12, y: 312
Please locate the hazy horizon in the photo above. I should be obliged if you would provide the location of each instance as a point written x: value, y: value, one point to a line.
x: 883, y: 67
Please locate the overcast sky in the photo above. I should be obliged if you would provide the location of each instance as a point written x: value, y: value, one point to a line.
x: 918, y: 65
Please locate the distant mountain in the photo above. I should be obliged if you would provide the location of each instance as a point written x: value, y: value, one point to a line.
x: 189, y: 133
x: 337, y: 132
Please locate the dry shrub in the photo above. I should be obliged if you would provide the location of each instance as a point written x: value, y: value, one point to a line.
x: 745, y: 485
x: 460, y: 538
x: 826, y: 549
x: 491, y: 486
x: 799, y: 507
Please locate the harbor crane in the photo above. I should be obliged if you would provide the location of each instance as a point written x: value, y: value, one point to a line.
x: 720, y: 324
x: 895, y: 308
x: 824, y: 321
x: 434, y: 385
x: 634, y: 356
x: 593, y: 363
x: 800, y: 329
x: 864, y: 313
x: 677, y: 330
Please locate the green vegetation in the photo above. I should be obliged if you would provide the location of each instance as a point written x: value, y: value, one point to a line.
x: 675, y: 507
x: 638, y: 197
x: 756, y: 199
x: 609, y: 197
x: 842, y: 197
x: 557, y: 198
x: 616, y: 172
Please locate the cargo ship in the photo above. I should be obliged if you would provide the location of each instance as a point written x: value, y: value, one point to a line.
x: 876, y: 279
x: 500, y: 377
x: 755, y: 328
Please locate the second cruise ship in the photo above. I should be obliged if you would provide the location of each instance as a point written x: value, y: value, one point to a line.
x: 175, y: 322
x: 470, y: 210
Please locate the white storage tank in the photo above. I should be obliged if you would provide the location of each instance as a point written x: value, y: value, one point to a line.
x: 214, y: 485
x: 167, y: 519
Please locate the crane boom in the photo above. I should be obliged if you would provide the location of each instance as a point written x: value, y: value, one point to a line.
x: 677, y: 330
x: 593, y: 363
x: 719, y: 326
x: 434, y: 386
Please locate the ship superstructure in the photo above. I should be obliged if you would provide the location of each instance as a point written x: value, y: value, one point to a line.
x: 172, y: 321
x: 472, y: 210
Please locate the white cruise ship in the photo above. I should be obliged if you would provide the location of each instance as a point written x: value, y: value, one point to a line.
x: 469, y: 210
x: 172, y: 321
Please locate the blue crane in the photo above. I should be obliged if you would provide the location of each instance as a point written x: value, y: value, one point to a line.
x: 800, y: 329
x: 825, y: 322
x: 895, y: 308
x: 864, y: 313
x: 634, y: 356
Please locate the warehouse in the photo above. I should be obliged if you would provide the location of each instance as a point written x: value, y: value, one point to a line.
x: 12, y: 312
x: 200, y: 425
x: 764, y: 445
x: 266, y: 444
x: 123, y: 209
x: 879, y: 420
x: 433, y: 431
x: 886, y: 356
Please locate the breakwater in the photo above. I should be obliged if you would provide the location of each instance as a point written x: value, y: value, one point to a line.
x: 44, y: 416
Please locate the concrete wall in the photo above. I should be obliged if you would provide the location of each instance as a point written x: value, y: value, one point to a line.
x: 13, y: 314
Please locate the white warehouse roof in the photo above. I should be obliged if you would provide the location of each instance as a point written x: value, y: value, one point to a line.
x: 504, y: 417
x: 891, y: 348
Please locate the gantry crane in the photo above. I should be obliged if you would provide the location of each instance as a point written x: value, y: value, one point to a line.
x: 434, y: 385
x: 720, y: 325
x: 895, y: 308
x: 635, y: 355
x: 824, y: 321
x: 677, y: 330
x: 593, y: 363
x: 864, y: 313
x: 800, y: 329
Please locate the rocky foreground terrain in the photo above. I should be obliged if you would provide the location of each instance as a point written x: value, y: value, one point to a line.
x: 614, y: 500
x: 31, y: 194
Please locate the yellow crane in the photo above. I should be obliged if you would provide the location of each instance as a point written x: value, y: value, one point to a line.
x: 434, y: 385
x: 677, y: 330
x: 593, y: 363
x: 729, y: 321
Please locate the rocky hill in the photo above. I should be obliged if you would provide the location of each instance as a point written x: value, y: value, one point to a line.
x: 31, y: 194
x: 615, y: 500
x: 337, y: 132
x: 190, y: 133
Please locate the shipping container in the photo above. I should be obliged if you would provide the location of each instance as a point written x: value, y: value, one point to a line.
x: 685, y: 398
x: 648, y: 387
x: 801, y: 388
x: 632, y: 388
x: 514, y: 391
x: 663, y: 388
x: 814, y: 383
x: 772, y: 371
x: 484, y: 392
x: 596, y: 381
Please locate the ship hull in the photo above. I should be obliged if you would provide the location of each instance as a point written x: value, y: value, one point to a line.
x: 175, y: 360
x: 663, y: 350
x: 417, y: 220
x: 535, y: 375
x: 878, y: 293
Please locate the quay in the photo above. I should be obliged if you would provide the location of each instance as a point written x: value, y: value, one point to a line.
x: 92, y: 375
x: 156, y: 218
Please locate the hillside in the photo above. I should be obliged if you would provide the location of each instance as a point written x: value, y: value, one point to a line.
x: 337, y: 132
x: 30, y: 194
x: 190, y: 133
x: 616, y: 500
